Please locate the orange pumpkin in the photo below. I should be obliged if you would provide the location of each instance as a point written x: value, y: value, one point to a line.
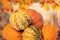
x: 6, y: 3
x: 11, y: 34
x: 28, y: 2
x: 36, y: 18
x: 49, y: 32
x: 0, y: 0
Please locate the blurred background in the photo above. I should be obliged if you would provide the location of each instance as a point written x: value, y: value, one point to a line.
x: 52, y: 7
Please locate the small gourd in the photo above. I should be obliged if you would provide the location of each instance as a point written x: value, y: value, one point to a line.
x: 36, y: 18
x: 31, y: 33
x: 10, y: 33
x: 49, y: 32
x: 20, y: 20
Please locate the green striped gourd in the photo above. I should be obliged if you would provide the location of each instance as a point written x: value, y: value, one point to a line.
x: 31, y: 33
x: 20, y: 20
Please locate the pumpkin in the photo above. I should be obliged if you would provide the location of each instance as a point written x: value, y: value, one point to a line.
x: 6, y: 3
x: 20, y: 20
x: 11, y: 34
x: 28, y: 2
x: 31, y: 33
x: 36, y: 18
x: 0, y: 0
x: 49, y: 32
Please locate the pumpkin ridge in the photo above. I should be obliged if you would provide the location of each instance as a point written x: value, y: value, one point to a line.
x: 22, y: 21
x: 34, y: 29
x: 14, y: 23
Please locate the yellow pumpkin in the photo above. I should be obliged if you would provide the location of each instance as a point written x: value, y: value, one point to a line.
x: 10, y: 33
x: 31, y: 33
x: 49, y: 32
x: 20, y: 20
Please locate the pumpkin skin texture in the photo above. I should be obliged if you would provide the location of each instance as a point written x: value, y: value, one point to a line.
x: 49, y: 32
x: 31, y: 33
x: 10, y: 33
x: 36, y: 18
x: 20, y: 20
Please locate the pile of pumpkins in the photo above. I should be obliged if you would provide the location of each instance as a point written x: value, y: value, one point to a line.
x: 28, y: 25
